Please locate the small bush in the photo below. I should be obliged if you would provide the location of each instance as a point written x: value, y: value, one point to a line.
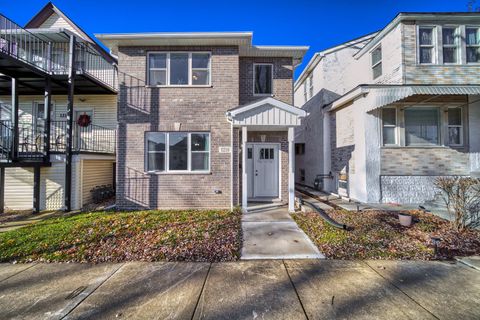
x: 462, y: 197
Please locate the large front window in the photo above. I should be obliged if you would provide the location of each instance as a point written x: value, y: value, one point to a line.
x: 179, y: 68
x: 177, y: 151
x: 421, y: 126
x: 263, y: 78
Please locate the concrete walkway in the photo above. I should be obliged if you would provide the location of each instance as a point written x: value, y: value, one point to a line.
x: 269, y: 289
x: 270, y: 233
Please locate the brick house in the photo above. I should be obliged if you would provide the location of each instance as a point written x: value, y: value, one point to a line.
x: 393, y: 110
x: 205, y: 120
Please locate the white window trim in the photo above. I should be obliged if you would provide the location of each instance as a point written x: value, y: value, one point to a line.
x: 377, y: 63
x: 190, y: 69
x: 254, y: 72
x: 434, y: 45
x: 395, y: 126
x: 461, y: 126
x: 467, y: 45
x: 457, y: 44
x: 189, y: 153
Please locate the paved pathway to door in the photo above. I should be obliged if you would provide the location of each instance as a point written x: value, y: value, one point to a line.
x: 271, y: 233
x: 269, y: 289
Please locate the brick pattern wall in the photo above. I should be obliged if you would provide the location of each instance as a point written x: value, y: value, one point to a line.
x: 144, y: 109
x: 424, y: 161
x: 433, y: 74
x: 282, y: 79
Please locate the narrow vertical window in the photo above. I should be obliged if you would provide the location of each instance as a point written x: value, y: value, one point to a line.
x: 450, y: 44
x: 473, y: 45
x: 179, y: 68
x: 310, y: 88
x: 200, y: 68
x: 389, y: 117
x: 377, y: 62
x: 157, y: 63
x: 178, y: 151
x: 155, y: 151
x: 200, y: 148
x: 263, y: 74
x: 455, y: 127
x: 305, y: 92
x: 426, y: 43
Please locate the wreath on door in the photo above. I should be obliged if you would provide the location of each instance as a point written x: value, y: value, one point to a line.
x: 84, y: 120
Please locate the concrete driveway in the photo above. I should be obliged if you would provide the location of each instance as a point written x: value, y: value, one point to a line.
x: 273, y: 289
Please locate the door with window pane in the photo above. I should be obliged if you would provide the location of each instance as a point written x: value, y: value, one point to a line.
x: 265, y: 170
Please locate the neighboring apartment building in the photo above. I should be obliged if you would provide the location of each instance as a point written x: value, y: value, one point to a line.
x: 392, y: 111
x: 58, y: 107
x: 205, y: 120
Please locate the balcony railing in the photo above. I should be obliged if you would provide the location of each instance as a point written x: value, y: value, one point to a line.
x: 31, y: 146
x: 91, y: 138
x: 53, y: 57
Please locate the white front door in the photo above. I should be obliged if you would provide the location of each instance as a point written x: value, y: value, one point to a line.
x: 265, y: 170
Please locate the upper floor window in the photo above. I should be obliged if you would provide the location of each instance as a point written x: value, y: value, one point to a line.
x: 263, y: 79
x: 450, y: 44
x: 426, y: 44
x: 310, y: 88
x: 473, y: 44
x: 377, y: 62
x: 305, y: 91
x: 178, y: 68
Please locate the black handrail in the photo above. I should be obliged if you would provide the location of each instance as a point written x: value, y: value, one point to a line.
x: 6, y: 134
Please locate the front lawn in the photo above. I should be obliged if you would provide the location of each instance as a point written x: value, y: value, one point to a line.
x: 378, y: 235
x: 173, y: 235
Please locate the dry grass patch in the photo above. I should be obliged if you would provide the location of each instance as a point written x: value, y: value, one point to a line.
x: 172, y: 235
x: 378, y: 235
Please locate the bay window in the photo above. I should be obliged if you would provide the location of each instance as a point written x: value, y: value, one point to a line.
x: 263, y: 78
x: 450, y: 44
x: 178, y: 68
x: 473, y: 44
x: 455, y: 127
x: 426, y: 44
x: 177, y: 152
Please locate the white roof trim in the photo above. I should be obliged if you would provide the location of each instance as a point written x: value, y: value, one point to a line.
x: 173, y: 35
x: 270, y: 101
x: 388, y: 94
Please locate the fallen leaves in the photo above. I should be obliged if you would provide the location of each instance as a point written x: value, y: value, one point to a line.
x: 378, y: 235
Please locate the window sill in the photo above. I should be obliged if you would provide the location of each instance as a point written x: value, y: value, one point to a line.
x: 422, y: 147
x: 182, y: 86
x: 176, y: 173
x: 263, y: 95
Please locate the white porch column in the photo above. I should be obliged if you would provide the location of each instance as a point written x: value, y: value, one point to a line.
x: 291, y: 169
x: 244, y: 170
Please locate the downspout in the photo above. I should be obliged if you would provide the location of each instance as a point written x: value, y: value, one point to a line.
x: 69, y: 146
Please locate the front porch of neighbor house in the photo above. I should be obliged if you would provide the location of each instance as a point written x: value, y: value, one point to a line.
x: 265, y: 149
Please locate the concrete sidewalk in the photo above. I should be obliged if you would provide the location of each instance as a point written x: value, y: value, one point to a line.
x: 273, y: 289
x: 271, y: 233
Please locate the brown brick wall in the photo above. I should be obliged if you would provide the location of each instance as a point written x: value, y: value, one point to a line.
x: 144, y: 109
x: 282, y: 79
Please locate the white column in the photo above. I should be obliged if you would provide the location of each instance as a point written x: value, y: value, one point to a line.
x: 244, y: 170
x: 291, y: 169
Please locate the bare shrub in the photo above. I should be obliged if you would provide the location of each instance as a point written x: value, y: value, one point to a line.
x: 462, y: 197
